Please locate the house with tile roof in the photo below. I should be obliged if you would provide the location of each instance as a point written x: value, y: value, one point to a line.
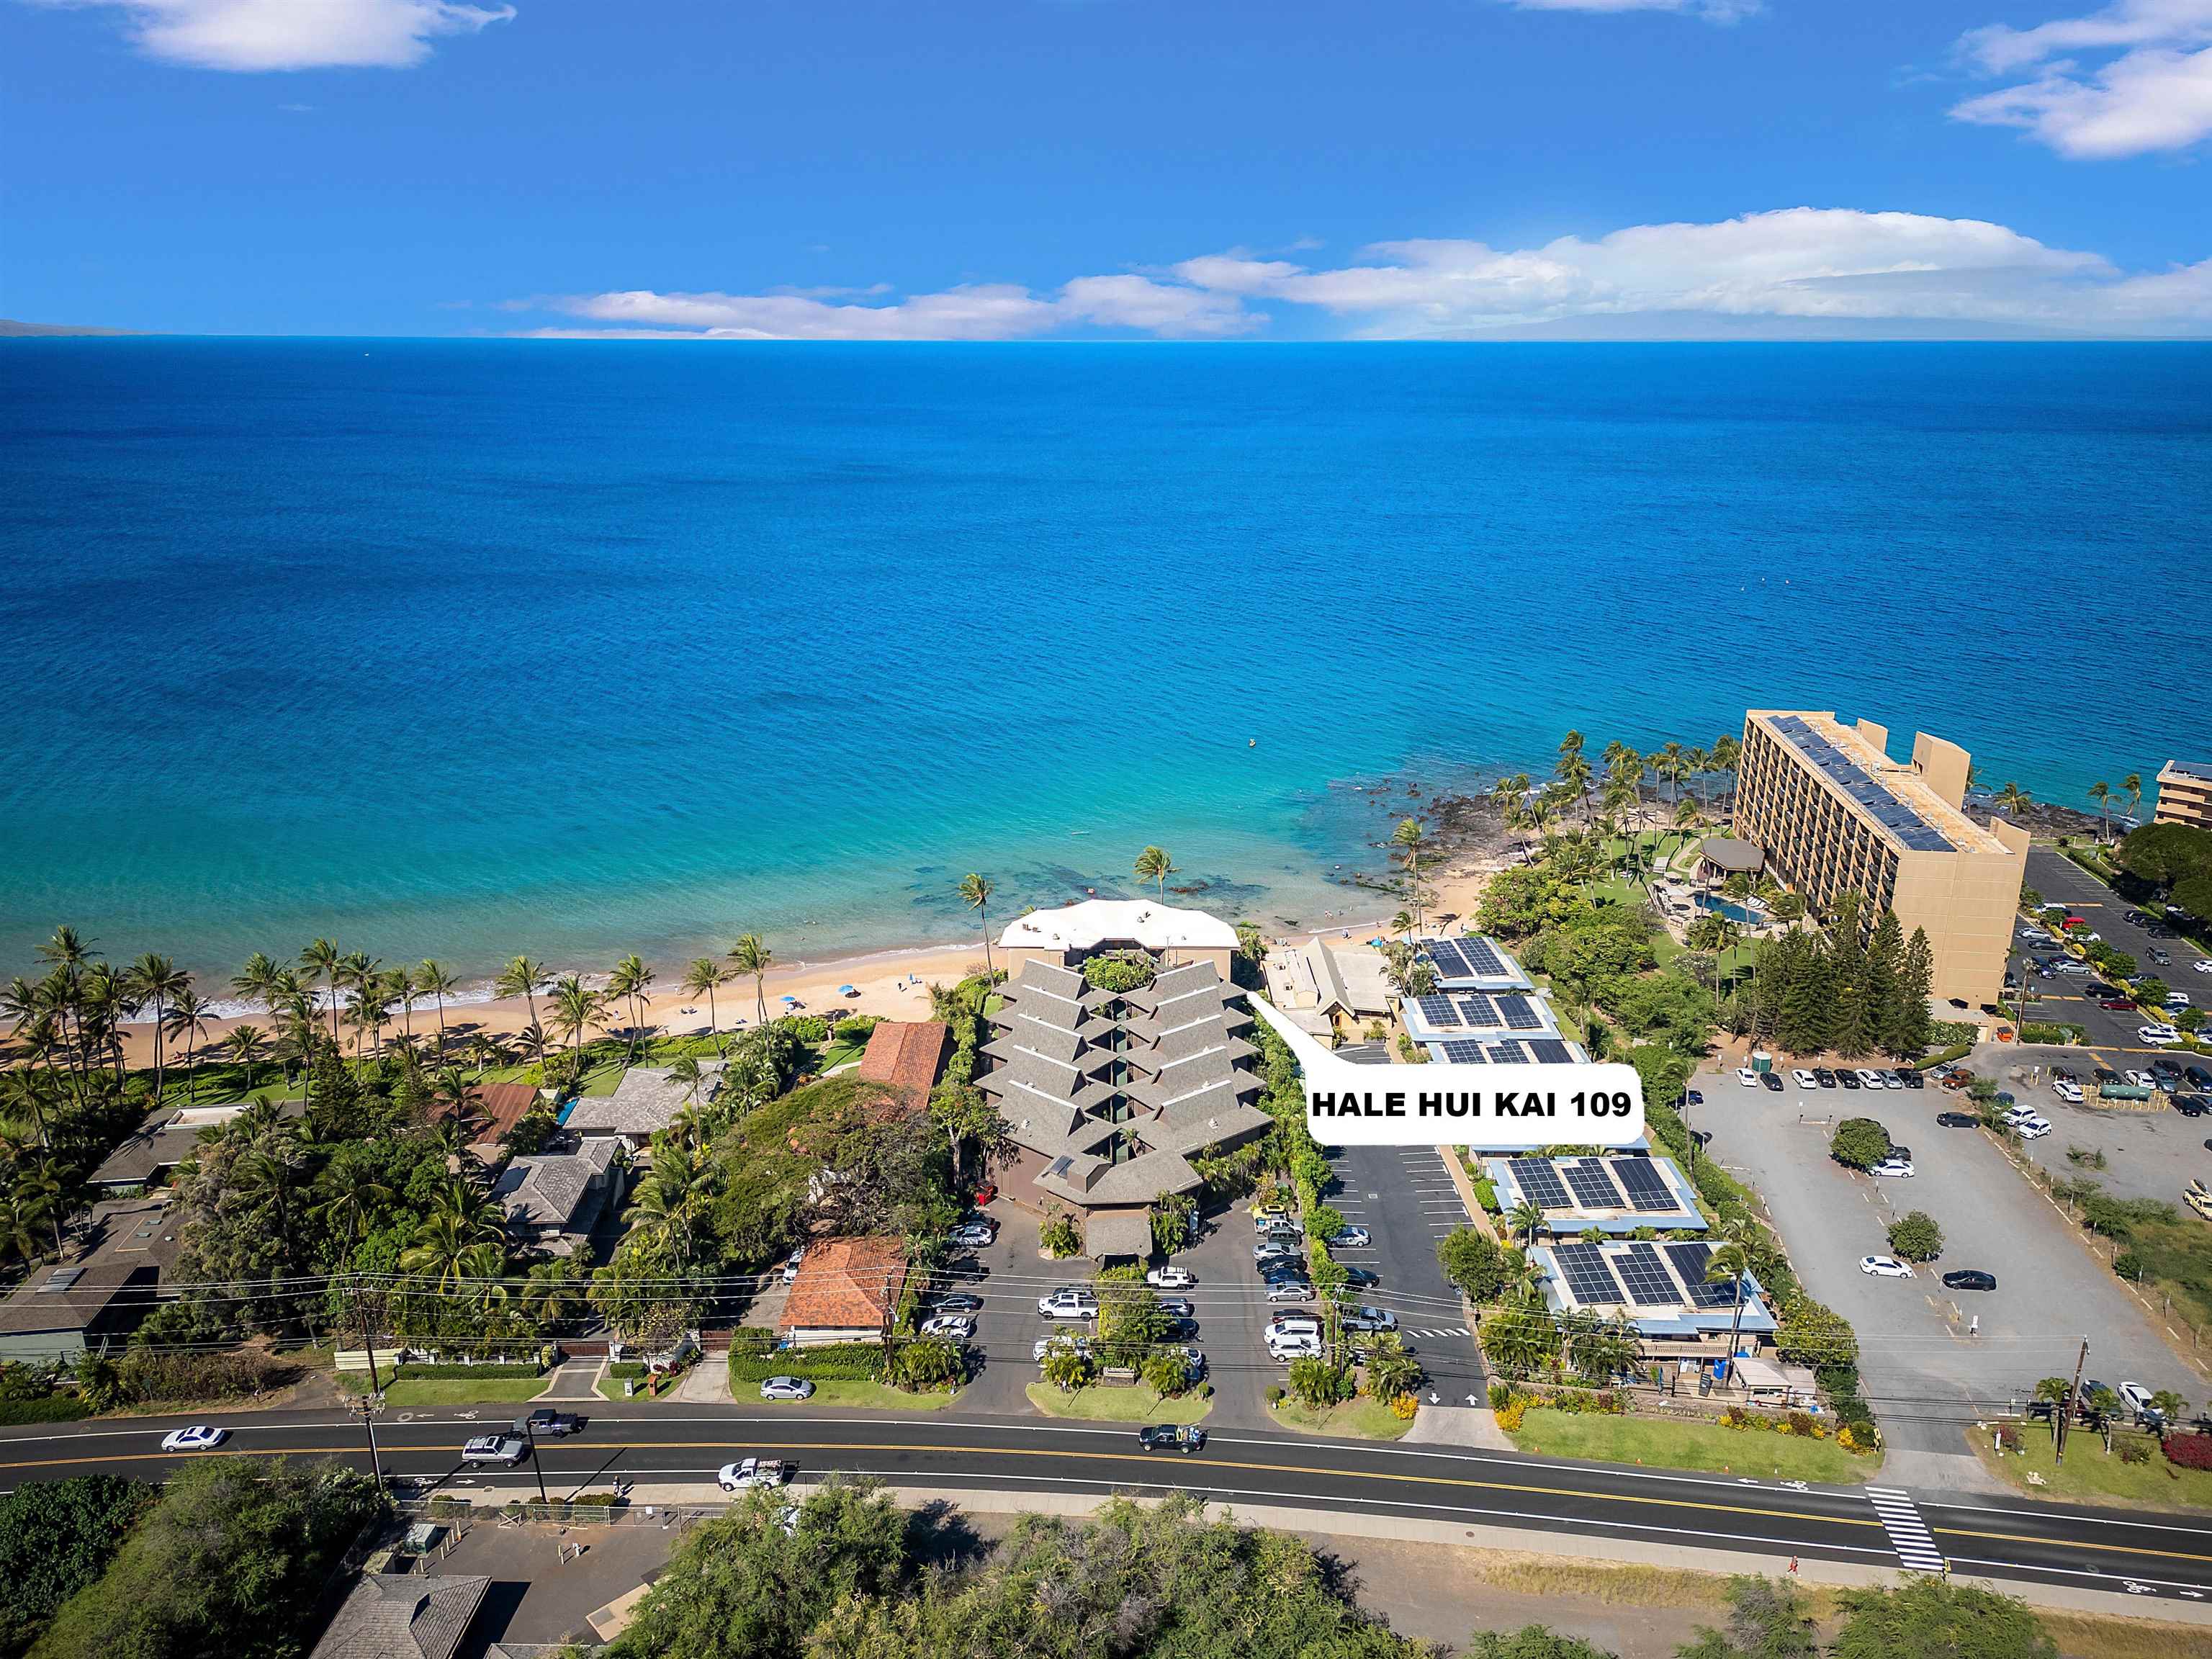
x: 405, y: 1616
x: 553, y: 1200
x: 1107, y: 1094
x: 498, y: 1108
x: 846, y: 1291
x: 907, y: 1056
x: 646, y: 1100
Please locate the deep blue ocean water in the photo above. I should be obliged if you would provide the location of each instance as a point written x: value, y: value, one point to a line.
x: 468, y: 649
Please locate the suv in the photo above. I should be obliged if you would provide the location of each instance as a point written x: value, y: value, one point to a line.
x: 508, y: 1448
x: 1069, y: 1301
x: 1284, y: 1349
x: 1824, y: 1077
x: 1369, y: 1319
x: 546, y: 1421
x: 2199, y: 1079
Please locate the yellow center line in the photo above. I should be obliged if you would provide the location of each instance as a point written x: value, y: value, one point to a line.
x: 1230, y: 1463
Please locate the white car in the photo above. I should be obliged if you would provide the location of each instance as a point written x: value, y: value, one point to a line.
x: 508, y: 1448
x: 791, y: 1265
x: 2141, y: 1078
x: 2158, y: 1036
x: 753, y: 1474
x: 951, y: 1327
x: 2068, y: 1092
x: 1868, y: 1077
x: 2201, y: 965
x: 1284, y: 1350
x: 1293, y: 1324
x: 2176, y: 1000
x: 2032, y: 1127
x: 2076, y: 969
x: 1747, y: 1077
x: 2135, y: 1398
x: 1350, y: 1238
x: 1804, y: 1080
x: 1069, y: 1301
x: 1046, y: 1345
x: 1901, y: 1167
x: 1274, y: 1215
x: 974, y: 1234
x: 1172, y: 1278
x: 1885, y: 1266
x: 198, y: 1437
x: 786, y: 1388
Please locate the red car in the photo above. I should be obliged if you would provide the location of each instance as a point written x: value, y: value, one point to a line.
x: 2119, y: 1003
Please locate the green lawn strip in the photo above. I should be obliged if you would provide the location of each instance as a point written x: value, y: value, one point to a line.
x: 2091, y: 1475
x: 1355, y: 1419
x: 1120, y: 1403
x: 1602, y: 1439
x: 861, y: 1397
x: 413, y: 1393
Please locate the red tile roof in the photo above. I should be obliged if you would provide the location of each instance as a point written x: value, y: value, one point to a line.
x: 502, y: 1103
x: 907, y: 1054
x: 846, y: 1284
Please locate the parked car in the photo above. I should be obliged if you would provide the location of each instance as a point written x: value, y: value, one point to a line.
x: 1284, y: 1350
x: 1848, y: 1080
x: 1291, y: 1290
x: 986, y: 1193
x: 559, y: 1424
x: 1957, y: 1120
x: 2176, y: 1000
x: 1697, y: 1096
x: 2068, y: 1092
x: 198, y: 1437
x: 1172, y: 1278
x: 2201, y: 965
x: 1772, y: 1080
x: 2191, y: 1105
x: 2135, y: 1398
x: 2158, y: 1036
x: 960, y: 1302
x: 753, y: 1474
x: 1274, y: 1250
x: 1899, y: 1168
x: 1177, y: 1307
x: 510, y: 1448
x: 786, y: 1388
x: 1912, y: 1078
x: 1184, y: 1438
x: 1294, y: 1323
x: 2120, y: 1004
x: 973, y: 1235
x: 2199, y: 1078
x: 1803, y: 1078
x: 1350, y: 1238
x: 1058, y: 1339
x: 1885, y: 1266
x: 2141, y: 1079
x: 1747, y: 1078
x: 1824, y: 1077
x: 1359, y: 1278
x: 1970, y: 1278
x: 1367, y: 1319
x: 2033, y: 1127
x: 1290, y: 1270
x: 1273, y: 1215
x: 1069, y: 1302
x: 950, y: 1327
x: 791, y: 1265
x: 1868, y: 1077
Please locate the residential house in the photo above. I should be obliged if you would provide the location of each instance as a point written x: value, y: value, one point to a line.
x: 100, y: 1293
x: 846, y: 1291
x: 405, y: 1616
x: 646, y: 1100
x: 554, y: 1199
x: 907, y: 1056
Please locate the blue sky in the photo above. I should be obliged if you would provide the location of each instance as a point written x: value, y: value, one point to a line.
x: 1049, y: 169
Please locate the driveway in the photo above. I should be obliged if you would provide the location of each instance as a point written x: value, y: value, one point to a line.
x: 1926, y: 1375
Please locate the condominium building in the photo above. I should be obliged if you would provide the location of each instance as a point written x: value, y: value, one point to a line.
x: 1833, y: 815
x: 2185, y: 794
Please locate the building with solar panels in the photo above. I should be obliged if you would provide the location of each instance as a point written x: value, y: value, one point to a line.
x: 1659, y: 1288
x: 1611, y: 1194
x: 1484, y: 1010
x: 1833, y: 814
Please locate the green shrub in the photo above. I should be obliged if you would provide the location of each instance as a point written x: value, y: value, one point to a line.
x: 1915, y: 1237
x: 55, y: 1408
x: 1860, y: 1143
x: 835, y: 1362
x: 490, y: 1369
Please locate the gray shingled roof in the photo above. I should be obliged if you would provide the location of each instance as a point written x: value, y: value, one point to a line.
x: 403, y: 1615
x: 555, y: 1191
x: 643, y: 1102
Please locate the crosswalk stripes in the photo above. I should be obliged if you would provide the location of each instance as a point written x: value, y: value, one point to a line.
x: 1908, y: 1532
x: 1438, y: 1330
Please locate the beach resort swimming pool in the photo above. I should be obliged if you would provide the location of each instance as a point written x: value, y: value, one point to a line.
x: 1745, y: 915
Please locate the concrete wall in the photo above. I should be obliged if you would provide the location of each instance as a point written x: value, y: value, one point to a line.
x: 1942, y: 766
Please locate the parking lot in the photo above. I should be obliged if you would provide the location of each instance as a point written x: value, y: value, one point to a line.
x: 2059, y: 998
x: 1404, y: 1196
x: 2146, y: 1154
x: 1926, y: 1372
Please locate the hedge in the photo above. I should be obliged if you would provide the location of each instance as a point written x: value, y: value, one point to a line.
x: 2188, y: 1451
x: 409, y: 1372
x: 55, y: 1408
x: 835, y: 1362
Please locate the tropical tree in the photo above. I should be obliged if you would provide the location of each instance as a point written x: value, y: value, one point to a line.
x: 751, y: 956
x: 1668, y: 762
x: 1408, y: 837
x: 2133, y: 784
x: 260, y: 980
x: 702, y: 978
x: 322, y: 960
x: 2102, y: 794
x: 673, y: 1195
x: 976, y: 893
x: 576, y: 1007
x: 1527, y: 1219
x: 1730, y: 1263
x: 524, y: 978
x: 187, y: 1018
x: 2013, y: 799
x: 347, y: 1197
x: 631, y: 982
x: 460, y: 1238
x: 156, y: 979
x: 1153, y: 865
x: 247, y: 1047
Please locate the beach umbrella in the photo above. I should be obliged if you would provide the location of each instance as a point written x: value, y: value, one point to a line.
x: 790, y: 999
x: 849, y: 991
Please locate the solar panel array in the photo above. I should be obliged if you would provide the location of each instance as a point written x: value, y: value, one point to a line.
x: 1592, y: 1187
x: 1893, y: 814
x: 1587, y: 1275
x: 1449, y: 964
x: 1550, y: 1051
x: 1644, y: 1277
x: 1482, y: 959
x: 1465, y: 957
x: 1439, y: 1012
x: 1519, y: 1015
x: 1479, y: 1012
x: 1460, y: 1052
x: 1541, y: 1183
x: 1508, y: 1053
x: 1646, y: 1187
x: 1689, y: 1260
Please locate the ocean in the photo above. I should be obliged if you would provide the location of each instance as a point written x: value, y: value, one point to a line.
x: 467, y: 648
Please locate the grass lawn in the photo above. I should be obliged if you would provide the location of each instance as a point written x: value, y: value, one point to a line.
x: 2090, y: 1476
x: 861, y: 1397
x: 1120, y: 1403
x: 1355, y: 1419
x: 1690, y: 1446
x: 414, y: 1393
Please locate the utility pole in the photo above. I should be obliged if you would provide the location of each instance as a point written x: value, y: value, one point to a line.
x: 2065, y: 1422
x: 522, y: 1426
x: 368, y: 1406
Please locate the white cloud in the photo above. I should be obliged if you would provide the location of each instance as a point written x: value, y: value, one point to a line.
x: 2151, y: 89
x: 294, y: 34
x: 1793, y: 272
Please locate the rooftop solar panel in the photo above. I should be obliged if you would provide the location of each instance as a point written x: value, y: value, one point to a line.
x: 1646, y: 1187
x: 1481, y: 960
x: 1893, y: 814
x: 1550, y: 1051
x: 1644, y: 1277
x: 1461, y: 1052
x: 1519, y: 1015
x: 1592, y: 1187
x: 1689, y: 1262
x: 1587, y: 1275
x: 1541, y: 1183
x: 1508, y: 1053
x: 1480, y: 1012
x: 1439, y: 1012
x: 1444, y: 953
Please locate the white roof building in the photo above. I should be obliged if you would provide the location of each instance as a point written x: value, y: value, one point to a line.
x: 1103, y: 924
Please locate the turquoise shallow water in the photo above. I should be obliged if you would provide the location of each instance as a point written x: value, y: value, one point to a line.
x: 471, y: 648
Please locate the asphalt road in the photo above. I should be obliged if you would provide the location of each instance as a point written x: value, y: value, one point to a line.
x: 2168, y: 1556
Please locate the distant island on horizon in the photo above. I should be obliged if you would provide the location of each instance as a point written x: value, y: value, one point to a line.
x: 10, y: 329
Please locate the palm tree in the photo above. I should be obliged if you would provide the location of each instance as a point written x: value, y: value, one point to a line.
x: 322, y: 961
x: 157, y: 980
x: 187, y: 1018
x: 1402, y: 923
x: 522, y: 977
x: 702, y: 978
x: 1527, y: 1219
x: 461, y: 1238
x: 260, y: 980
x: 1154, y: 865
x: 248, y: 1047
x: 348, y: 1197
x: 688, y: 1074
x: 1667, y: 764
x: 629, y: 983
x: 671, y: 1197
x: 1573, y: 773
x: 270, y: 1166
x: 1731, y: 1262
x: 574, y: 1009
x: 431, y: 979
x: 976, y: 892
x: 400, y: 982
x: 2013, y: 799
x: 41, y: 1193
x: 751, y: 955
x: 1508, y: 792
x: 2133, y: 784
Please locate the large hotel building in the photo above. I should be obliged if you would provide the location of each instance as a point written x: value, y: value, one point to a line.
x: 2184, y: 794
x: 1835, y: 815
